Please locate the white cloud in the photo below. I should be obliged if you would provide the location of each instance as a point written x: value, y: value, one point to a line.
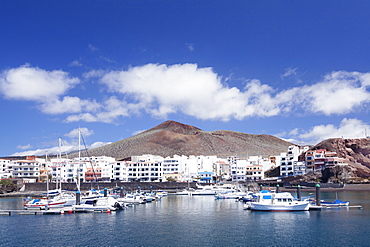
x: 289, y: 72
x: 65, y: 147
x: 190, y: 46
x: 99, y: 144
x: 26, y: 83
x: 75, y: 132
x: 161, y: 90
x: 92, y: 47
x: 112, y: 108
x: 348, y: 128
x: 137, y: 132
x: 106, y: 59
x: 28, y: 146
x: 69, y: 105
x: 75, y: 63
x: 339, y: 93
x: 93, y: 74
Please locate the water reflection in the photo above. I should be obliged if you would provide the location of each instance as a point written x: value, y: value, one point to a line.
x: 11, y: 203
x: 195, y: 221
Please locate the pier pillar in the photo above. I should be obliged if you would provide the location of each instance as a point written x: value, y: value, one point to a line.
x: 78, y: 197
x: 299, y: 192
x: 318, y: 203
x: 105, y: 192
x: 277, y: 188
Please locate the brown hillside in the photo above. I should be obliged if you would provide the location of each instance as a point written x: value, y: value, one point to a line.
x: 173, y: 138
x: 355, y: 151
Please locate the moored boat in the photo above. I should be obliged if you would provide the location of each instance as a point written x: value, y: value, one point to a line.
x: 132, y: 199
x: 278, y: 202
x: 98, y: 204
x: 212, y: 190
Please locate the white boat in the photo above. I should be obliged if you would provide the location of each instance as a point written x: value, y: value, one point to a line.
x: 271, y: 201
x: 132, y: 199
x: 185, y: 191
x: 212, y: 190
x: 43, y: 203
x: 231, y: 195
x: 162, y: 193
x: 98, y: 204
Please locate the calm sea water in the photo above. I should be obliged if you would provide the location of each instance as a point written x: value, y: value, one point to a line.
x: 192, y: 221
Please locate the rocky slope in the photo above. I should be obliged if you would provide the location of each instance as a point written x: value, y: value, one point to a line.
x: 355, y: 151
x: 173, y: 138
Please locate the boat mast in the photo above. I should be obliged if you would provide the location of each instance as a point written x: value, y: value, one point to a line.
x: 47, y: 174
x: 59, y: 165
x: 79, y: 159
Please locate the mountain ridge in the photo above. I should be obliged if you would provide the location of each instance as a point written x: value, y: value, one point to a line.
x: 173, y: 138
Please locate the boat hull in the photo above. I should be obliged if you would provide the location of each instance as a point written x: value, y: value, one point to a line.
x: 279, y: 208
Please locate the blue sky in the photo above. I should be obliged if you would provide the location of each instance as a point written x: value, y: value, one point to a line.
x: 298, y: 70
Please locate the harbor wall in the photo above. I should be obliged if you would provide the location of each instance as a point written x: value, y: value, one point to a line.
x: 127, y: 186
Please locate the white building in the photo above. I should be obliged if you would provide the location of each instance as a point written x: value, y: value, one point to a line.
x: 28, y: 169
x: 256, y: 167
x: 238, y: 168
x: 5, y: 168
x: 289, y: 160
x: 145, y: 168
x: 120, y: 171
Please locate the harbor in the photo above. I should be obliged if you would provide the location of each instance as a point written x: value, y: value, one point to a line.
x: 107, y: 201
x: 184, y: 220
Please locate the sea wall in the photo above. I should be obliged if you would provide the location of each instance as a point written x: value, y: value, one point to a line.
x: 127, y: 186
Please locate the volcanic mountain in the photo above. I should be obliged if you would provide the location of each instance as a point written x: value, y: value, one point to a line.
x: 173, y: 138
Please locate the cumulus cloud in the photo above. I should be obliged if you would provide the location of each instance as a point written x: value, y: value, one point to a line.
x: 46, y: 88
x: 75, y: 132
x: 339, y: 92
x: 67, y: 145
x: 69, y: 105
x: 27, y: 83
x: 347, y: 128
x: 161, y: 90
x: 112, y: 108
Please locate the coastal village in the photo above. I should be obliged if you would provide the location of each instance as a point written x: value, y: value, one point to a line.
x: 153, y: 168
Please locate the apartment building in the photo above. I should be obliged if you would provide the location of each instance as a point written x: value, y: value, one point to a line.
x: 28, y: 170
x: 289, y: 161
x: 6, y: 168
x: 321, y: 158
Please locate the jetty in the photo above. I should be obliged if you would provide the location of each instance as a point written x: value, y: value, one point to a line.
x: 65, y: 210
x: 320, y: 207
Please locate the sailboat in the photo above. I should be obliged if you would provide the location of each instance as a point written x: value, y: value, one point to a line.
x: 51, y: 200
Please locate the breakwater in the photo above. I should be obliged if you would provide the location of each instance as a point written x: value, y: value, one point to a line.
x: 127, y: 186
